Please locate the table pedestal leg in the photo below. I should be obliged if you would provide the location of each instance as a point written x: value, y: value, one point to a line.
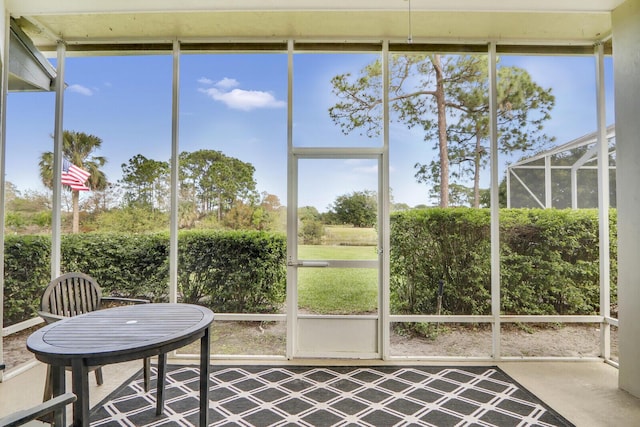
x: 80, y: 386
x: 204, y: 378
x: 162, y: 372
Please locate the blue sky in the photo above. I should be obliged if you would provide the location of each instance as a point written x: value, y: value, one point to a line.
x: 237, y: 104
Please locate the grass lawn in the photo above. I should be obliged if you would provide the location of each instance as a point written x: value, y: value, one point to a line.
x: 337, y: 252
x: 339, y: 234
x: 338, y: 290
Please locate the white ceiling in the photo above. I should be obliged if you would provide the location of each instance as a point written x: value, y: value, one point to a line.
x: 40, y: 7
x: 125, y: 21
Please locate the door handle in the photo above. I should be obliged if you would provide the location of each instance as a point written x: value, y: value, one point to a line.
x: 309, y: 264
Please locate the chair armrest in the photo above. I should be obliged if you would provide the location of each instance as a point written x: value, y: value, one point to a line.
x: 22, y: 417
x: 131, y: 300
x: 50, y: 317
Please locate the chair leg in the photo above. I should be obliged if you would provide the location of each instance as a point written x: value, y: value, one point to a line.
x: 48, y: 386
x: 99, y: 378
x: 147, y: 373
x: 54, y: 418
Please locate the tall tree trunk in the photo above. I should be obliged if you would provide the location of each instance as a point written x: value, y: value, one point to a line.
x: 476, y: 172
x: 75, y: 199
x: 442, y: 132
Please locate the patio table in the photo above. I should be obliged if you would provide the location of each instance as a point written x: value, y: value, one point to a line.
x: 117, y: 335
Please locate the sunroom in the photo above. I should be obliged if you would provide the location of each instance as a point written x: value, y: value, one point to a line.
x: 308, y: 109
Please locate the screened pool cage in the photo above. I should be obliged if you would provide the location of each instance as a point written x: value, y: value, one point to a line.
x: 563, y: 177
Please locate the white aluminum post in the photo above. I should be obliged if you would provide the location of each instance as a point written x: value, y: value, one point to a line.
x: 603, y: 205
x: 4, y: 87
x: 56, y: 214
x: 495, y: 203
x: 292, y: 217
x: 384, y: 226
x: 175, y: 170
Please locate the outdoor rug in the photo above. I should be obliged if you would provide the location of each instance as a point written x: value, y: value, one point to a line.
x: 332, y: 396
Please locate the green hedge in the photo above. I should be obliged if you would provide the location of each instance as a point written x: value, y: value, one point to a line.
x: 549, y: 264
x: 549, y: 261
x: 128, y: 265
x: 227, y: 271
x: 236, y: 272
x: 26, y: 272
x: 433, y: 245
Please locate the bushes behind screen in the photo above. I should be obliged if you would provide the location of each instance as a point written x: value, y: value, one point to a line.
x: 26, y: 273
x: 549, y: 264
x: 128, y: 265
x: 233, y: 272
x: 226, y: 271
x: 549, y: 261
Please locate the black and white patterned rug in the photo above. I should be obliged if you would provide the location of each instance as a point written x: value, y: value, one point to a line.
x: 332, y: 396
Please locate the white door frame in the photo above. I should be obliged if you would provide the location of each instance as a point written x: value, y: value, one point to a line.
x: 338, y: 336
x: 382, y: 154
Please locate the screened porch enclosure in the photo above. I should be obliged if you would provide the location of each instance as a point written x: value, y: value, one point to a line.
x: 533, y: 259
x: 463, y: 296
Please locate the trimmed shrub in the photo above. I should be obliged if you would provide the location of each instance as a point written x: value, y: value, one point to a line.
x: 239, y: 272
x: 549, y: 261
x: 549, y: 264
x: 433, y: 245
x: 128, y: 265
x: 26, y: 273
x: 227, y: 271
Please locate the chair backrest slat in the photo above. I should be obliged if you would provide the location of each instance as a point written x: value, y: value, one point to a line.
x: 71, y: 294
x: 68, y: 297
x: 80, y: 303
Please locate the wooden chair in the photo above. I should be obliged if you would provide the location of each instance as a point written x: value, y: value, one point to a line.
x: 49, y: 407
x: 77, y: 293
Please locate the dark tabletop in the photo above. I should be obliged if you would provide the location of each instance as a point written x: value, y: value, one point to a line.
x: 118, y: 334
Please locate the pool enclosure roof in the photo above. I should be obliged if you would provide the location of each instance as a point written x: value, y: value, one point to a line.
x: 543, y: 161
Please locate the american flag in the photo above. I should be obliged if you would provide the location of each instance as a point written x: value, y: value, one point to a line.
x: 73, y: 176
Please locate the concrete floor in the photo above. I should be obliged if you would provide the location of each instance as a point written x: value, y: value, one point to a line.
x: 586, y: 393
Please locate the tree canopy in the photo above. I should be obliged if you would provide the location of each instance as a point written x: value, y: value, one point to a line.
x: 146, y: 182
x: 78, y: 148
x: 209, y: 183
x: 447, y: 98
x: 214, y: 181
x: 359, y: 209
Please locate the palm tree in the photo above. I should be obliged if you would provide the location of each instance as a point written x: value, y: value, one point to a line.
x: 77, y: 147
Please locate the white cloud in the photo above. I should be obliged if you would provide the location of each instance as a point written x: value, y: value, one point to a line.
x: 245, y: 100
x: 227, y: 83
x: 364, y: 166
x: 205, y: 81
x: 80, y: 89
